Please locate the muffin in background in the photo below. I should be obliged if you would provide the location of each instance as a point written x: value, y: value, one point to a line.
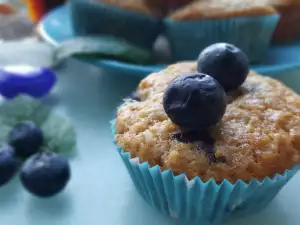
x: 131, y: 20
x: 247, y: 24
x: 288, y: 28
x: 166, y: 6
x: 256, y: 145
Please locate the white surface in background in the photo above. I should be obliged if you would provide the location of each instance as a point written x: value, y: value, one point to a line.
x: 15, y: 26
x: 23, y: 52
x: 20, y: 69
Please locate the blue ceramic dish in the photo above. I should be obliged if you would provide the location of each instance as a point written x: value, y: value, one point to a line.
x: 94, y: 18
x: 197, y: 202
x: 282, y: 61
x: 251, y: 34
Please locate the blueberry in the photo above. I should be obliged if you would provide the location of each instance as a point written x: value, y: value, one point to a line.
x: 194, y: 101
x: 27, y: 138
x: 45, y: 174
x: 226, y: 63
x: 8, y: 164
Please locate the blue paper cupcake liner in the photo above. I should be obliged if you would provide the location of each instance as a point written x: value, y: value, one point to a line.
x: 251, y: 34
x: 197, y: 202
x: 96, y: 18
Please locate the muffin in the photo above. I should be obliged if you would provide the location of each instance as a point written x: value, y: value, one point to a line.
x: 164, y: 6
x: 204, y: 22
x: 287, y: 29
x: 126, y: 19
x: 233, y: 167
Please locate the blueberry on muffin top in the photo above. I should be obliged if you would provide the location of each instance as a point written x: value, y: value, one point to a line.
x: 226, y: 63
x: 194, y: 101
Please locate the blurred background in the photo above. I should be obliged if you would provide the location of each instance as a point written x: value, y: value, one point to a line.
x: 17, y: 17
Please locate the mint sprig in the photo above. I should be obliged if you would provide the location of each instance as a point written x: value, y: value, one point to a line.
x: 102, y: 47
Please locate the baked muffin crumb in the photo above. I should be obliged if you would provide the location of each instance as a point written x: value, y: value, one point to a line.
x: 258, y: 136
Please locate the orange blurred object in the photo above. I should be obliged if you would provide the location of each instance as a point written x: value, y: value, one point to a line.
x: 38, y: 8
x: 6, y: 9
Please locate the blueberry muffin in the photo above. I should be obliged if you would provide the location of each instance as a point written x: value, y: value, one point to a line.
x: 126, y: 19
x: 258, y: 136
x: 230, y: 139
x: 203, y: 22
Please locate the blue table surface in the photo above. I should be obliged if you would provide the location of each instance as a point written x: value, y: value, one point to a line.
x: 100, y: 191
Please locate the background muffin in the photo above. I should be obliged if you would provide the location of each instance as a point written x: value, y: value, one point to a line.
x: 132, y: 20
x: 288, y: 27
x: 165, y: 6
x: 204, y: 22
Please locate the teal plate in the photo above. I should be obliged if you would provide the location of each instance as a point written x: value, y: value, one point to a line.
x: 56, y: 27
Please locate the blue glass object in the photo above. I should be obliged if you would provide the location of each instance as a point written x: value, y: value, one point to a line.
x: 24, y: 79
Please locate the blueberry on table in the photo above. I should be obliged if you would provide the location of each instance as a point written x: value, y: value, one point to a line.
x: 194, y: 101
x: 226, y: 63
x: 8, y: 164
x: 45, y: 174
x: 27, y: 138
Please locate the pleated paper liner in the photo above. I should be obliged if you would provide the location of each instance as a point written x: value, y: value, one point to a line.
x: 96, y: 18
x: 251, y: 34
x: 197, y: 202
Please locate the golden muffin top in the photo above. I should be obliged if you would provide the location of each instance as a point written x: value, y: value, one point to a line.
x: 258, y: 136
